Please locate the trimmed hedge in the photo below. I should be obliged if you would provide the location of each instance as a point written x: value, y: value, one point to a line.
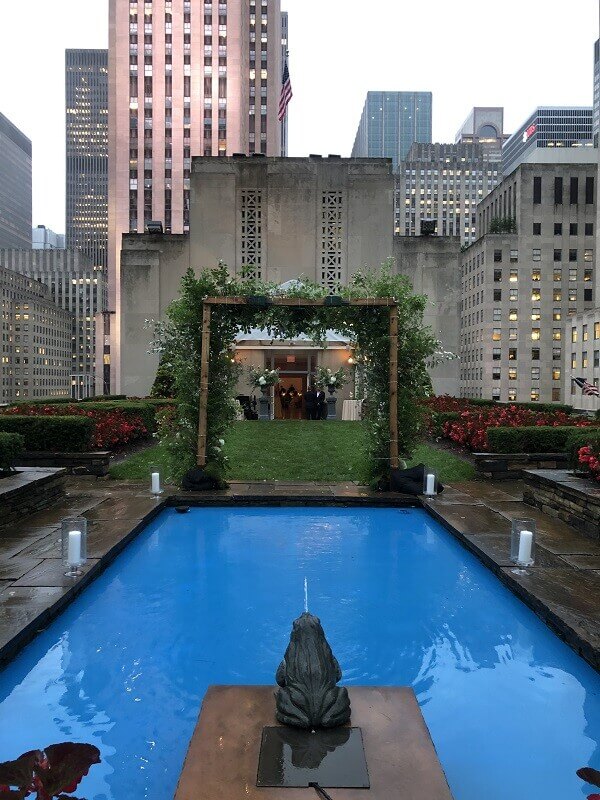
x: 529, y: 439
x: 439, y: 419
x: 100, y: 398
x: 544, y: 407
x: 51, y: 434
x: 11, y: 447
x: 145, y: 411
x: 580, y: 437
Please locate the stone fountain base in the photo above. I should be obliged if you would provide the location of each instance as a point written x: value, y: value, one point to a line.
x: 222, y: 760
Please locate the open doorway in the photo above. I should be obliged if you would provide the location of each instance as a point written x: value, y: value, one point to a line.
x: 294, y: 373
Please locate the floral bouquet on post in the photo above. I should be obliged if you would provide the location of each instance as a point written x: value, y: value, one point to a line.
x: 325, y: 377
x: 263, y: 379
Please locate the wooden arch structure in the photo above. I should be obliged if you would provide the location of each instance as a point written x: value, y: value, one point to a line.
x: 298, y: 302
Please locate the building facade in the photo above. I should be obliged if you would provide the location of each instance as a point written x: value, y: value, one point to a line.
x: 15, y: 186
x: 391, y: 122
x: 77, y: 286
x: 596, y: 110
x: 548, y: 127
x: 484, y: 126
x: 443, y: 183
x: 583, y: 358
x: 36, y: 341
x: 86, y: 93
x: 184, y: 80
x: 42, y: 238
x: 520, y: 289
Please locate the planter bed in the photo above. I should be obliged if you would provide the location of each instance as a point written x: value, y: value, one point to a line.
x: 95, y: 463
x: 505, y: 466
x: 562, y: 494
x: 28, y: 491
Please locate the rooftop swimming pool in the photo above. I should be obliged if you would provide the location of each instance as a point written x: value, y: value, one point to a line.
x: 209, y: 597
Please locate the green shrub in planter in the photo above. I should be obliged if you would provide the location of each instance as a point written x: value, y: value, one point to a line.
x: 580, y: 437
x: 545, y: 407
x: 480, y: 401
x: 51, y: 434
x: 11, y: 447
x: 439, y: 419
x: 529, y: 439
x: 100, y: 398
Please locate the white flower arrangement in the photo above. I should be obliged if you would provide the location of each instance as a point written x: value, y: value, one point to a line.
x: 263, y: 378
x: 327, y: 377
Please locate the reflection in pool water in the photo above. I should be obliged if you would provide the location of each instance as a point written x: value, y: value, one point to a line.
x: 208, y: 597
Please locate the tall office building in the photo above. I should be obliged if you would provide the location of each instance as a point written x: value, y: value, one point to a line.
x: 15, y: 186
x: 484, y: 126
x: 547, y: 128
x: 185, y: 79
x: 391, y: 122
x: 441, y: 184
x: 79, y: 287
x: 86, y: 83
x: 42, y: 238
x: 596, y: 111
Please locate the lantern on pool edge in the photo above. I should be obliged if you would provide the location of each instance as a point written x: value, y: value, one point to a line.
x: 430, y: 483
x: 522, y: 542
x: 74, y: 544
x: 155, y: 481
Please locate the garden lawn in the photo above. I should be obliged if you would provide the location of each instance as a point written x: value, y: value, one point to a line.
x: 299, y: 451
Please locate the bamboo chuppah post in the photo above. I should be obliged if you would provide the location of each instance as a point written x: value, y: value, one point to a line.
x: 300, y: 303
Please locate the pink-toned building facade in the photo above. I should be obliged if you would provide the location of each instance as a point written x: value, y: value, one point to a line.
x: 186, y: 78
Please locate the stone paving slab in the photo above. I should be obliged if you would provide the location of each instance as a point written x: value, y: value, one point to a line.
x: 51, y: 572
x: 14, y: 568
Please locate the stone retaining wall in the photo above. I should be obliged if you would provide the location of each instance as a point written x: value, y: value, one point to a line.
x: 96, y: 463
x: 562, y: 494
x: 28, y: 491
x: 504, y: 466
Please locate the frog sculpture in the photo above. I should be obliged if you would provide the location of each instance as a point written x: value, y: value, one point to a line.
x: 308, y: 696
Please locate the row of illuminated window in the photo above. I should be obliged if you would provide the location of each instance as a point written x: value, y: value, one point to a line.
x: 536, y: 274
x: 535, y: 313
x: 584, y: 332
x: 535, y: 334
x: 536, y: 294
x: 584, y: 363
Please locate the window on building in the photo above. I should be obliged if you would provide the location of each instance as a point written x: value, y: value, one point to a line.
x: 496, y: 354
x: 557, y: 274
x: 557, y: 254
x: 573, y: 334
x: 535, y: 373
x: 496, y: 334
x: 556, y: 354
x: 588, y: 254
x: 536, y: 274
x: 513, y: 315
x: 497, y: 275
x: 587, y: 295
x: 535, y: 354
x: 573, y: 229
x: 537, y: 228
x: 558, y: 191
x: 537, y: 190
x: 556, y: 374
x: 573, y: 255
x: 589, y: 191
x: 589, y: 228
x: 573, y: 360
x: 555, y: 394
x: 512, y: 334
x: 536, y: 254
x: 573, y: 191
x: 514, y: 256
x: 587, y: 275
x: 557, y: 334
x: 572, y: 274
x: 534, y: 394
x: 496, y: 373
x: 512, y: 373
x: 514, y: 276
x: 596, y: 359
x: 556, y: 314
x: 497, y: 256
x: 497, y: 295
x: 584, y: 333
x: 596, y: 330
x: 512, y: 395
x: 535, y: 334
x: 558, y: 228
x: 497, y: 314
x: 535, y: 314
x: 584, y: 359
x: 513, y: 293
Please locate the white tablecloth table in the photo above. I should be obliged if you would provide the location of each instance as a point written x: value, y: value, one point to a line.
x: 352, y: 410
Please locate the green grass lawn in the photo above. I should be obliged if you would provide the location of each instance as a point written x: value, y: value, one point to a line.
x: 301, y: 451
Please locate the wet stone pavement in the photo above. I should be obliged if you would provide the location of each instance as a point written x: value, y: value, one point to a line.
x: 563, y: 587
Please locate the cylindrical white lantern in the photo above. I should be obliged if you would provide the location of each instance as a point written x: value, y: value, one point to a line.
x: 522, y: 542
x: 155, y: 480
x: 74, y: 544
x: 430, y: 483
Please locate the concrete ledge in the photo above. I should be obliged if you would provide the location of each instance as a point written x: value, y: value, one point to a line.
x: 29, y: 490
x: 96, y: 463
x: 222, y: 760
x: 508, y: 466
x: 566, y: 496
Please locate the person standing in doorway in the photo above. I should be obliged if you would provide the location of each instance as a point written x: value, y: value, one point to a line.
x: 321, y: 405
x: 310, y: 402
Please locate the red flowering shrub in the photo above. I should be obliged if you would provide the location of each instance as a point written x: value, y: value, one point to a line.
x: 589, y: 460
x: 112, y: 428
x: 445, y: 402
x: 470, y: 430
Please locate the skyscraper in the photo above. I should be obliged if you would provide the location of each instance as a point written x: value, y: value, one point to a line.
x: 42, y: 238
x: 15, y: 186
x: 185, y: 79
x: 86, y: 84
x: 596, y: 112
x: 391, y: 122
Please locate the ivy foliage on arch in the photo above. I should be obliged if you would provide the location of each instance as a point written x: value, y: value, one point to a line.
x: 179, y: 340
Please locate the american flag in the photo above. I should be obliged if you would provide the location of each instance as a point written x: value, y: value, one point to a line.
x: 587, y: 387
x: 286, y: 93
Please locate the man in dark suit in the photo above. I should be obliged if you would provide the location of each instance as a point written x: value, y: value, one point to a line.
x: 321, y: 405
x: 310, y: 401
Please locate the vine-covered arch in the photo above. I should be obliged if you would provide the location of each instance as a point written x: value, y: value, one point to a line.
x: 377, y: 311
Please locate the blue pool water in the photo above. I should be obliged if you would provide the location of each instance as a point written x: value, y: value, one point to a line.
x: 209, y: 598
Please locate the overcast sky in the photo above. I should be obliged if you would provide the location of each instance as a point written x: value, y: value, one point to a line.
x: 516, y: 53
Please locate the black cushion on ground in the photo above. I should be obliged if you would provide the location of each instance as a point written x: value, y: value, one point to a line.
x: 196, y: 480
x: 410, y: 481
